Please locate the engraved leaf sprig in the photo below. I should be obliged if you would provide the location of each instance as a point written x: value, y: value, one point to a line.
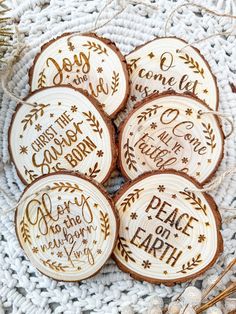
x: 129, y: 156
x: 105, y: 226
x: 96, y: 47
x: 66, y: 187
x: 93, y: 122
x: 132, y: 65
x: 209, y: 136
x: 148, y: 113
x: 25, y: 231
x: 131, y: 197
x: 115, y: 82
x: 192, y: 64
x: 54, y: 265
x: 93, y: 172
x: 42, y: 79
x: 31, y: 174
x: 195, y: 201
x: 190, y: 265
x: 33, y: 115
x: 124, y: 249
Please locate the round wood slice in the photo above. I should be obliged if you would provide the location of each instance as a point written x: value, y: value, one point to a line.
x: 168, y: 131
x: 67, y: 130
x: 84, y: 61
x: 161, y: 65
x: 67, y: 226
x: 167, y: 234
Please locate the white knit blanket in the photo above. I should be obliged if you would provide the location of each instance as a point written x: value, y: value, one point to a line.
x: 22, y: 288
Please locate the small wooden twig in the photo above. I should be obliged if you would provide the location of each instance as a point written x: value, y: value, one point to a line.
x: 220, y: 297
x: 224, y: 272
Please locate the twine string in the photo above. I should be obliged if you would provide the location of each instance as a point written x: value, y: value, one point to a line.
x: 213, y: 12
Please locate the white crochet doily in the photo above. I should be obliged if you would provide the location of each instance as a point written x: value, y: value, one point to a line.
x: 22, y: 288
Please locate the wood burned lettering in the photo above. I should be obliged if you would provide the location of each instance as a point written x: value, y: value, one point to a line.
x: 64, y: 226
x: 171, y: 222
x: 165, y: 77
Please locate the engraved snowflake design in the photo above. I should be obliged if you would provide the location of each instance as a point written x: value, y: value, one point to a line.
x: 99, y: 69
x: 73, y: 108
x: 100, y: 153
x: 133, y: 98
x: 35, y: 249
x: 23, y: 149
x: 184, y: 160
x: 161, y: 188
x: 99, y: 251
x: 59, y: 254
x: 38, y: 127
x: 153, y: 125
x: 188, y: 112
x: 133, y: 216
x: 201, y: 238
x: 85, y: 241
x: 151, y: 55
x: 146, y: 264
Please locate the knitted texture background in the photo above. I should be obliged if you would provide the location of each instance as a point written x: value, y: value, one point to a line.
x: 22, y: 288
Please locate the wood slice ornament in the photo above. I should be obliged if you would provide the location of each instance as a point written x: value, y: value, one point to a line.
x: 66, y: 225
x: 161, y: 65
x: 84, y: 61
x: 167, y: 234
x: 67, y: 130
x: 170, y: 130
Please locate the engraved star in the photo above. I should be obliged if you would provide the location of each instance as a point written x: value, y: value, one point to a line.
x: 103, y: 60
x: 59, y: 254
x: 176, y: 235
x: 146, y: 264
x: 165, y: 272
x: 131, y: 133
x: 153, y: 125
x: 149, y: 217
x: 73, y: 108
x: 199, y: 164
x: 38, y: 236
x: 184, y: 160
x: 79, y: 268
x: 35, y: 250
x: 205, y: 91
x: 23, y: 149
x: 133, y: 216
x: 59, y: 198
x: 127, y: 228
x: 209, y: 161
x: 99, y: 69
x: 51, y: 115
x: 59, y: 103
x: 21, y: 136
x: 207, y: 223
x: 188, y: 112
x: 85, y: 241
x: 143, y: 163
x: 78, y: 70
x: 201, y: 238
x: 94, y: 242
x: 189, y: 247
x: 173, y: 196
x: 38, y: 127
x: 161, y: 188
x: 133, y: 98
x: 71, y: 46
x: 99, y: 251
x: 151, y: 55
x: 197, y: 174
x: 95, y: 205
x: 59, y: 51
x: 52, y: 253
x: 68, y: 76
x: 100, y: 153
